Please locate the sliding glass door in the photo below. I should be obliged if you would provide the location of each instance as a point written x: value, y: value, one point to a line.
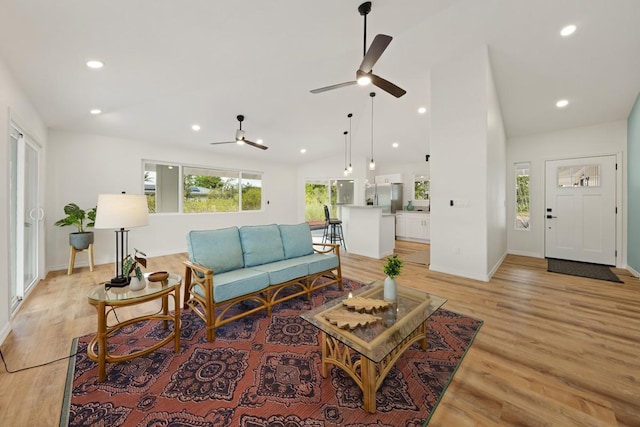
x: 25, y: 215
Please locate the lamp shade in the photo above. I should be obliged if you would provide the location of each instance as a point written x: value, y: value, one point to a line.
x: 122, y: 211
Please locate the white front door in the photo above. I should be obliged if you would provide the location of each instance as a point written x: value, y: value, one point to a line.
x: 581, y: 209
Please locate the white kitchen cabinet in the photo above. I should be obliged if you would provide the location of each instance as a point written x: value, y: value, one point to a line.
x: 413, y: 226
x: 393, y: 178
x: 401, y: 226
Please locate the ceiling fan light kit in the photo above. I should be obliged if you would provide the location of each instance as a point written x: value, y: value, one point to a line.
x: 364, y: 74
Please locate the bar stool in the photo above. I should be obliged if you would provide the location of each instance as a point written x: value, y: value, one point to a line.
x: 72, y: 257
x: 333, y: 229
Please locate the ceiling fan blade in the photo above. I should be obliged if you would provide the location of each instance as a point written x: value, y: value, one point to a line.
x: 338, y: 86
x: 255, y: 144
x: 387, y: 86
x: 225, y: 142
x: 374, y: 52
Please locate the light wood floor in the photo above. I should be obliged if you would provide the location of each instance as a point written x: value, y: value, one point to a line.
x: 554, y: 350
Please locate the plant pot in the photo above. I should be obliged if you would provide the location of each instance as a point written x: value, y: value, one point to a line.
x: 136, y: 284
x: 81, y: 241
x: 390, y: 290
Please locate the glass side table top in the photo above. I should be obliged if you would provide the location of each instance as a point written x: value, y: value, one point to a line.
x: 398, y: 321
x: 113, y: 294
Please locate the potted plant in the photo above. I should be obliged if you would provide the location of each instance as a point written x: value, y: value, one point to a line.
x: 131, y: 264
x: 392, y: 268
x: 76, y: 216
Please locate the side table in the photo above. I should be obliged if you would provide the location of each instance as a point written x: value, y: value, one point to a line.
x: 106, y: 300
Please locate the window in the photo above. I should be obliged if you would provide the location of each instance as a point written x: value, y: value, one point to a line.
x: 420, y: 187
x: 326, y: 192
x: 522, y: 196
x: 579, y: 176
x: 203, y: 189
x: 251, y: 191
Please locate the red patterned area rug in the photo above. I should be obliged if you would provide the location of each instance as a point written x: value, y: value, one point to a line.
x: 260, y: 372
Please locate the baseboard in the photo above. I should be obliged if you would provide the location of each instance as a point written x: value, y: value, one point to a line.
x: 634, y: 272
x: 524, y: 253
x: 482, y: 278
x: 496, y: 266
x: 4, y: 332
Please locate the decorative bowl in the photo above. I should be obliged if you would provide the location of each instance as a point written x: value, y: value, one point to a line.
x: 158, y: 276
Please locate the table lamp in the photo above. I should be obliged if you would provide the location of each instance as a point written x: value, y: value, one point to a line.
x: 121, y: 211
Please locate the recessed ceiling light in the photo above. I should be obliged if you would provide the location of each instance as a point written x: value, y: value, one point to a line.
x: 422, y: 110
x: 259, y: 141
x: 568, y: 30
x: 95, y: 64
x: 395, y: 145
x: 96, y: 111
x: 303, y: 150
x: 195, y: 127
x: 562, y: 103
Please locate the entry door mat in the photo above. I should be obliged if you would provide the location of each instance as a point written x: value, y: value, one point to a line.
x: 259, y: 372
x: 582, y: 269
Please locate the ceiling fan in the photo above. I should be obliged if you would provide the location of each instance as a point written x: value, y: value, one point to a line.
x: 240, y: 139
x: 364, y: 74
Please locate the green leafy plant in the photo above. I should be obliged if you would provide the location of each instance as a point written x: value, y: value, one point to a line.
x: 393, y: 266
x: 130, y: 264
x: 76, y: 216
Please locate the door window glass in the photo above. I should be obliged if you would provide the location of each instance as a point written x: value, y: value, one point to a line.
x: 579, y: 176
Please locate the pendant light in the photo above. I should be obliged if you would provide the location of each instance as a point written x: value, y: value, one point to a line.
x: 346, y: 171
x: 350, y: 169
x: 372, y: 165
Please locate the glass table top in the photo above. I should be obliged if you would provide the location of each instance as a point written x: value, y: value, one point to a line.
x: 114, y: 294
x: 397, y: 322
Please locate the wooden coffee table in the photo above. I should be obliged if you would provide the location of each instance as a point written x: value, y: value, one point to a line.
x: 367, y: 353
x: 106, y: 300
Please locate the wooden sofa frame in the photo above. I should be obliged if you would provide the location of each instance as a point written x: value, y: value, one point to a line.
x: 205, y: 306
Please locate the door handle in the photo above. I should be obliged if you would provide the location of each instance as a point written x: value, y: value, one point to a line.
x: 551, y: 217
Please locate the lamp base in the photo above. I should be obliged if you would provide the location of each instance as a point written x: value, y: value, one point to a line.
x: 117, y: 282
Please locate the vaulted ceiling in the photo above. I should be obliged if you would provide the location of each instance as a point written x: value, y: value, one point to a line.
x: 170, y: 64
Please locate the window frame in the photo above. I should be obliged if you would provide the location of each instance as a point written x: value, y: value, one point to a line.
x: 180, y: 193
x: 518, y: 223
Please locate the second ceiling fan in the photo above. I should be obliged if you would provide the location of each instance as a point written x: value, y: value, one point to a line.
x: 240, y: 139
x: 364, y: 74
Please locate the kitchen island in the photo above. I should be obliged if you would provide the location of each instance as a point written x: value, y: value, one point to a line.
x: 368, y: 230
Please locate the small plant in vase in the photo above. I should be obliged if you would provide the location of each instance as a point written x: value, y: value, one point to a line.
x: 392, y: 268
x: 131, y: 264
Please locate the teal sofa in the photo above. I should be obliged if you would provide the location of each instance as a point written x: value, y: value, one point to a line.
x: 266, y: 264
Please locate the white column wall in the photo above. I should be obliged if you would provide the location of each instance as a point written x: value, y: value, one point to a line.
x: 462, y: 103
x: 496, y: 179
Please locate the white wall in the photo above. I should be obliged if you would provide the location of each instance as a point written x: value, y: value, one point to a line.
x: 496, y: 178
x: 81, y: 166
x: 603, y: 139
x: 461, y: 144
x: 14, y: 103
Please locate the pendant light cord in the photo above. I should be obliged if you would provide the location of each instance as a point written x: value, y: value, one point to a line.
x: 350, y: 140
x: 372, y: 94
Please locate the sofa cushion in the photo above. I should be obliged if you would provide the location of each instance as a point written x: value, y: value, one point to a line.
x: 283, y: 271
x: 220, y: 250
x: 296, y: 240
x: 237, y: 283
x: 320, y: 262
x: 261, y: 244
